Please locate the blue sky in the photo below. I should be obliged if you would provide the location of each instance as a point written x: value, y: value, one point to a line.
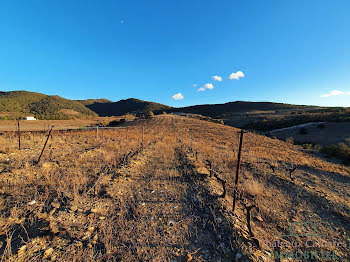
x: 288, y: 51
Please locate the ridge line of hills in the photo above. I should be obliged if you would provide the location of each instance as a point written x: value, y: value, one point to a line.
x: 25, y: 102
x: 253, y: 115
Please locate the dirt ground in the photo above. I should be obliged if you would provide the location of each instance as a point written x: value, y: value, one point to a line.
x: 161, y: 190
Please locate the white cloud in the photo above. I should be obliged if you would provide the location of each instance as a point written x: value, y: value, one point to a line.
x: 237, y: 75
x: 335, y: 93
x: 209, y: 86
x: 195, y: 85
x: 178, y: 96
x: 206, y: 86
x: 217, y: 78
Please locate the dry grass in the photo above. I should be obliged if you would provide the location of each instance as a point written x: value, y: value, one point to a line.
x: 110, y: 198
x: 44, y: 125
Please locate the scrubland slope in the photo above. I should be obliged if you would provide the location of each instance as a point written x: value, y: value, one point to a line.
x: 148, y: 193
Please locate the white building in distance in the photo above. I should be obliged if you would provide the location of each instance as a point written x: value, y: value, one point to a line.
x: 30, y: 118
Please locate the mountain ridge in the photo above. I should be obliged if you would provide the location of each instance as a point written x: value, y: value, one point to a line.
x: 14, y: 104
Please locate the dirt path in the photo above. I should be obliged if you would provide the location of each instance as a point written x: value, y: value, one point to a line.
x: 173, y: 217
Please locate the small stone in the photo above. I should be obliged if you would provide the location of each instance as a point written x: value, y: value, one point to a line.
x: 91, y: 229
x: 73, y: 208
x: 102, y: 218
x: 189, y: 257
x: 94, y: 210
x: 32, y: 203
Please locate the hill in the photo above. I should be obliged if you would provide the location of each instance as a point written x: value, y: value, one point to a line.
x: 262, y: 116
x: 126, y: 106
x: 92, y: 101
x: 222, y: 110
x: 17, y: 104
x: 166, y: 195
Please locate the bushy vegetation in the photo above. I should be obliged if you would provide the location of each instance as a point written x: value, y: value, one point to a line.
x: 340, y: 151
x: 117, y: 122
x: 123, y: 107
x: 148, y: 114
x: 93, y: 101
x: 218, y: 110
x: 205, y: 118
x: 277, y: 123
x: 54, y: 104
x: 18, y: 104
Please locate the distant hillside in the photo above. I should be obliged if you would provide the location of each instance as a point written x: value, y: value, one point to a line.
x: 249, y: 115
x: 92, y: 101
x: 123, y: 107
x: 218, y: 110
x: 17, y: 104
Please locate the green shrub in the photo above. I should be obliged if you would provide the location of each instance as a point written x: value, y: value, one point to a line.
x: 340, y: 151
x: 148, y: 114
x: 307, y: 146
x: 114, y: 123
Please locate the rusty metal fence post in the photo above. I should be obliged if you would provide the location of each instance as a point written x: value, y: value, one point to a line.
x: 237, y: 171
x: 19, y: 135
x: 142, y: 138
x: 42, y: 151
